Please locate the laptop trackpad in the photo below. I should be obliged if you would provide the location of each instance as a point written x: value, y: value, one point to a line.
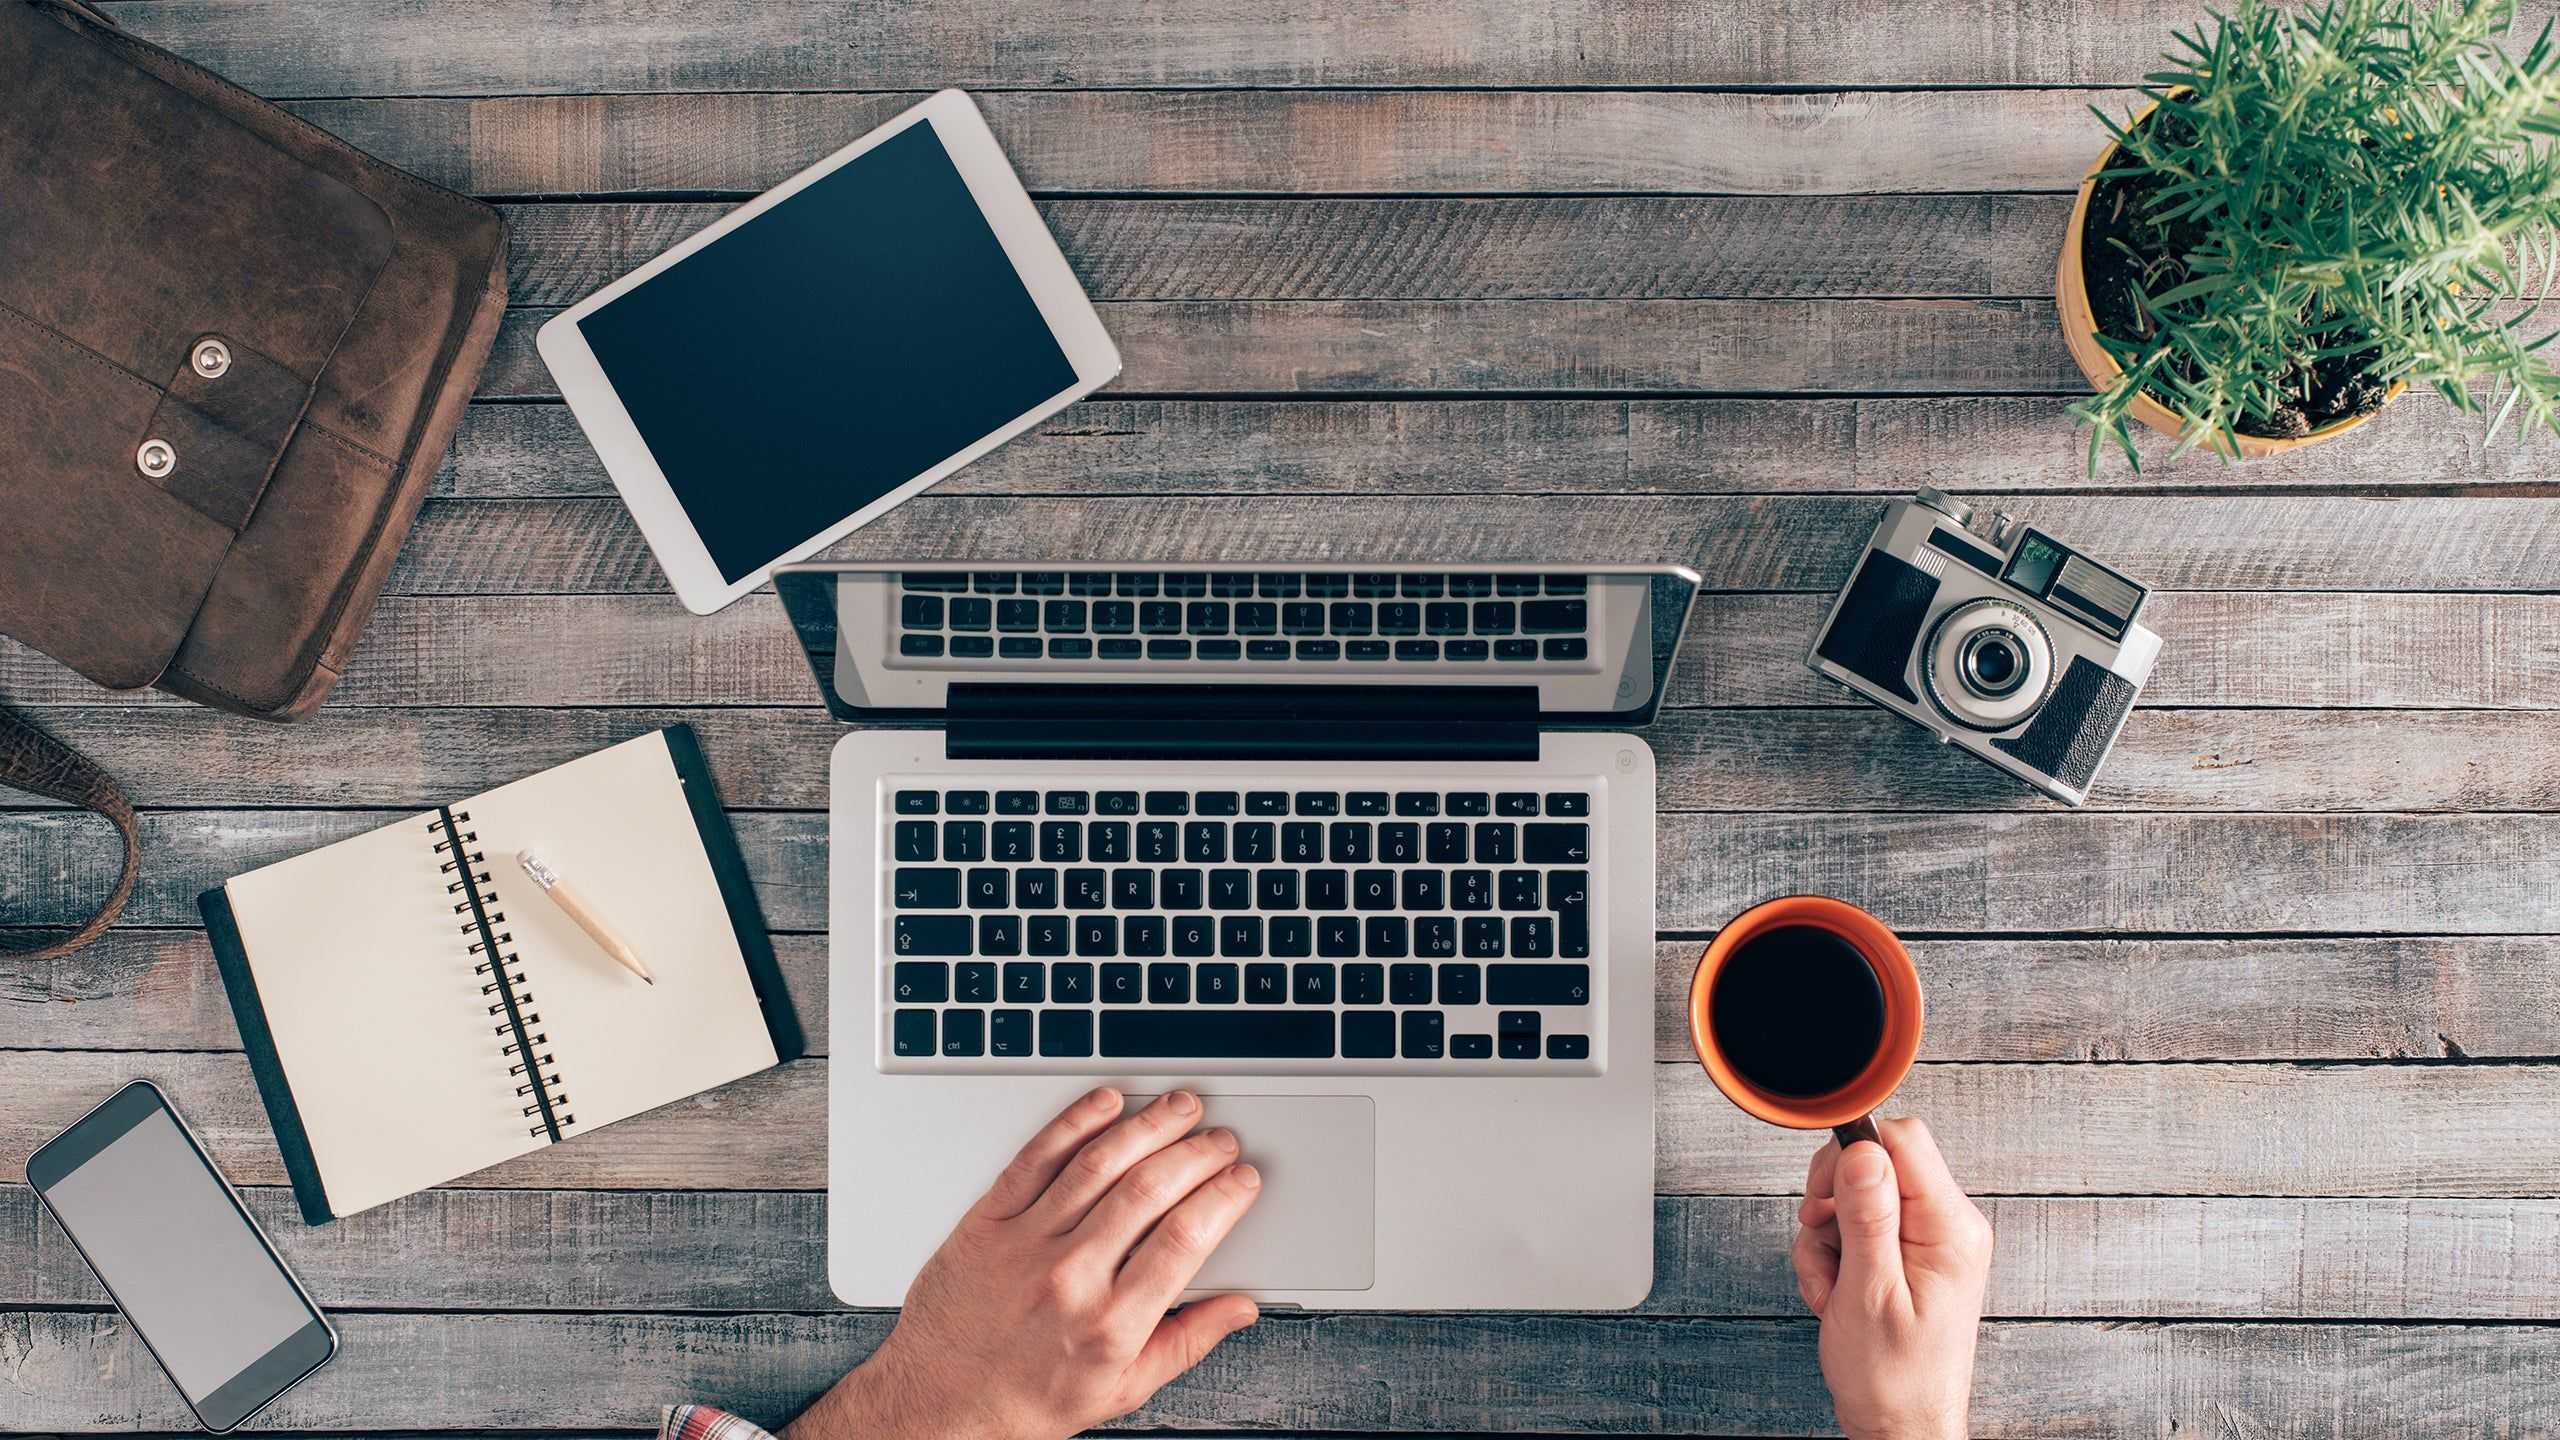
x: 1316, y: 1225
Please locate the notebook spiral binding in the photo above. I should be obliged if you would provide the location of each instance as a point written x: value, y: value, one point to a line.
x: 498, y: 969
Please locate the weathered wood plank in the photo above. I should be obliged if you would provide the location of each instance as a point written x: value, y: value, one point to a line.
x: 2401, y: 651
x: 1963, y: 444
x: 2325, y: 874
x: 2232, y: 649
x: 1395, y: 346
x: 1756, y: 543
x: 2442, y: 1131
x: 392, y: 47
x: 2472, y: 998
x: 1724, y: 761
x: 2248, y: 1259
x: 2475, y: 998
x: 1584, y: 247
x: 2045, y: 871
x: 1268, y: 142
x: 1481, y: 1373
x: 2166, y: 760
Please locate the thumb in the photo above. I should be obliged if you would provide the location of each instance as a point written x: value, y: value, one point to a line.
x: 1185, y: 1338
x: 1869, y: 1203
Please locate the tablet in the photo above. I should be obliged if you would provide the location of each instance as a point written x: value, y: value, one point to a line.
x: 826, y: 350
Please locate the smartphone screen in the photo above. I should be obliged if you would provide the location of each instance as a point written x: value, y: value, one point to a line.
x: 181, y: 1259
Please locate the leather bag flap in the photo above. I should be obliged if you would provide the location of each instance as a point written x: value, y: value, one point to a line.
x: 172, y: 286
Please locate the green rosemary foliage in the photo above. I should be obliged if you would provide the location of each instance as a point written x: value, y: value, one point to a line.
x: 2325, y: 203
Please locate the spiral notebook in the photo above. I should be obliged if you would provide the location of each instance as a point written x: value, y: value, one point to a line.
x: 415, y: 1010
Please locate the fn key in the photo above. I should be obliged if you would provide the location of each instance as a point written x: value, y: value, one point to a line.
x: 911, y: 1032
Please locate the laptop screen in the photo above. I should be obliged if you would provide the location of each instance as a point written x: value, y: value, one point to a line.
x: 887, y: 643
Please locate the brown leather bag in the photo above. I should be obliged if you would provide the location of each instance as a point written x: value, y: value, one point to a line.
x: 233, y: 351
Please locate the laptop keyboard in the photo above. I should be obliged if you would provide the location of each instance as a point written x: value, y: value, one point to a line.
x: 1188, y: 616
x: 1361, y: 930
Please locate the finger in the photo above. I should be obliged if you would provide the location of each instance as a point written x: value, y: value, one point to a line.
x: 1165, y: 1262
x: 1928, y: 1187
x: 1819, y: 1171
x: 1152, y: 1187
x: 1183, y: 1339
x: 1039, y: 1161
x: 1103, y: 1160
x: 1817, y: 1266
x: 1941, y: 1225
x: 1813, y: 1213
x: 1870, y: 1219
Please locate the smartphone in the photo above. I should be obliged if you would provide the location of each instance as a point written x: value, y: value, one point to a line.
x: 178, y: 1253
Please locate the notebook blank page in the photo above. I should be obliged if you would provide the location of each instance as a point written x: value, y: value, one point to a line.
x: 366, y: 978
x: 616, y: 827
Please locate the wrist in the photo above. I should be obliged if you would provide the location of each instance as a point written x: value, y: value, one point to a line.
x: 884, y: 1398
x: 871, y: 1402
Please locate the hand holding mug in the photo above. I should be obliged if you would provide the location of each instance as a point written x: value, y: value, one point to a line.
x: 1893, y: 1258
x: 1806, y: 1013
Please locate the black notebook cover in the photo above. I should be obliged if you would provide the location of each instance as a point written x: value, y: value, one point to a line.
x: 720, y: 842
x: 251, y: 1015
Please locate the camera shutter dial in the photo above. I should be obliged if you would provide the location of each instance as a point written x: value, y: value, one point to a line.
x: 1989, y: 664
x: 1945, y: 504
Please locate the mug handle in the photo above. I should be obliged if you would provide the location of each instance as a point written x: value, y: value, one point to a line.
x: 1862, y: 1128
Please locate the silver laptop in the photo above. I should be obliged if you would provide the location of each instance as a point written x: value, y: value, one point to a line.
x: 1364, y: 857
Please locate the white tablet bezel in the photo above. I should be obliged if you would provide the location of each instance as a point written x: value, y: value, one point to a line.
x: 1027, y: 242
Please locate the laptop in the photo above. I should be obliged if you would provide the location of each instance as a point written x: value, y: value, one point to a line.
x: 1364, y: 857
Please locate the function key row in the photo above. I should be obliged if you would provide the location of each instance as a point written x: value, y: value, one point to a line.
x: 1230, y: 585
x: 1252, y: 842
x: 1248, y: 802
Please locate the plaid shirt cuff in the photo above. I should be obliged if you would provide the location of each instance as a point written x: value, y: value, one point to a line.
x: 702, y: 1422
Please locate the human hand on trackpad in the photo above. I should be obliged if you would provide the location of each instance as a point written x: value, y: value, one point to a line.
x: 1044, y: 1314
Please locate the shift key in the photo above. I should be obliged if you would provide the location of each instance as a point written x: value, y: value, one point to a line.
x: 1537, y: 984
x: 932, y: 935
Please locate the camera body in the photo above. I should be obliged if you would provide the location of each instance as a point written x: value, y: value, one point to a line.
x: 1993, y: 637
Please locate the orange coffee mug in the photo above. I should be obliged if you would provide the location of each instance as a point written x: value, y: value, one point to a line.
x: 1845, y: 1110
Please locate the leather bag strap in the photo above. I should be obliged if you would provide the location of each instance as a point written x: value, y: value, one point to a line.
x: 35, y: 762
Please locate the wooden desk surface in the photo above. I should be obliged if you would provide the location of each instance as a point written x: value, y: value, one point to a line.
x: 2256, y: 1053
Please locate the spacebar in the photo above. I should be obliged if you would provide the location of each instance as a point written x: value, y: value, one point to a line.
x: 1219, y: 1034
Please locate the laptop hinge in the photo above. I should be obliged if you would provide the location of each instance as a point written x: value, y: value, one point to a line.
x: 1242, y: 722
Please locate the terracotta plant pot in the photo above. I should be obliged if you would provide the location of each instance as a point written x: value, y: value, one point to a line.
x: 2080, y: 332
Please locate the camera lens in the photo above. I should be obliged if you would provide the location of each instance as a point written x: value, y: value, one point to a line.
x: 1988, y: 664
x: 1993, y: 663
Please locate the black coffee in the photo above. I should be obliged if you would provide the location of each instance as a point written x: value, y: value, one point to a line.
x: 1797, y: 1011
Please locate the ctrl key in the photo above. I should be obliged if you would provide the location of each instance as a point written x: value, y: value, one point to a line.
x: 1518, y: 1031
x: 911, y: 1032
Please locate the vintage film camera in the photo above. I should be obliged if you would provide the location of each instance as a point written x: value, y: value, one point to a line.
x: 1994, y: 637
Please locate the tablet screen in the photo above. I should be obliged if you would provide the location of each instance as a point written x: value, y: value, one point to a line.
x: 827, y: 351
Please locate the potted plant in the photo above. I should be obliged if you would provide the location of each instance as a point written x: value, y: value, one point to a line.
x: 2317, y: 209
